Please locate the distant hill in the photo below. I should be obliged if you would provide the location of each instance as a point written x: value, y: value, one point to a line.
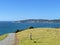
x: 37, y: 20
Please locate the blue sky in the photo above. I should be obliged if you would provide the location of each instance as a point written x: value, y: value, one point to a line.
x: 11, y: 10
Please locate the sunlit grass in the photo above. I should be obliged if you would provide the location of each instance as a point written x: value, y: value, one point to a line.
x: 40, y: 36
x: 3, y: 36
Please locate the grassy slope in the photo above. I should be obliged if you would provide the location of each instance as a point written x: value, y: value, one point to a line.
x: 42, y: 36
x: 3, y: 36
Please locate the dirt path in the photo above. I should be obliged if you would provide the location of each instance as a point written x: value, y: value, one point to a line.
x: 10, y: 40
x: 16, y: 40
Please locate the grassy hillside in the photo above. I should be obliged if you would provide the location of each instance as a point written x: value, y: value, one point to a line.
x: 3, y: 36
x: 40, y: 36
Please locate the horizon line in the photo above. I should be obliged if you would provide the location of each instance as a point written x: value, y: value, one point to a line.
x: 30, y: 19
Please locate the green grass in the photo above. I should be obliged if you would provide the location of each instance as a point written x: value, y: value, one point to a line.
x: 40, y: 36
x: 3, y: 36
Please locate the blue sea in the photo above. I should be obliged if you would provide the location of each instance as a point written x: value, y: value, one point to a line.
x: 8, y: 27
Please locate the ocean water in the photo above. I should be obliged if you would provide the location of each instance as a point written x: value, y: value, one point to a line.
x: 8, y: 27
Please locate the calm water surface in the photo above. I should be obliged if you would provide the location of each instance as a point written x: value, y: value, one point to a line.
x: 7, y: 27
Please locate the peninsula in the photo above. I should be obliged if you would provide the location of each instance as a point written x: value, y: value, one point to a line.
x: 38, y: 21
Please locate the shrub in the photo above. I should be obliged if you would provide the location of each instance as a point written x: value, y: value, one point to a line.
x: 31, y: 27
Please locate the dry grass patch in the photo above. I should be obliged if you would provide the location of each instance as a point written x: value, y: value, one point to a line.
x: 40, y: 36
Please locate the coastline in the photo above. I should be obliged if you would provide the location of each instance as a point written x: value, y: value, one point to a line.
x: 20, y: 38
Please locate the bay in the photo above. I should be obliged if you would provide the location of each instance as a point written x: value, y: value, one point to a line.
x: 9, y: 27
